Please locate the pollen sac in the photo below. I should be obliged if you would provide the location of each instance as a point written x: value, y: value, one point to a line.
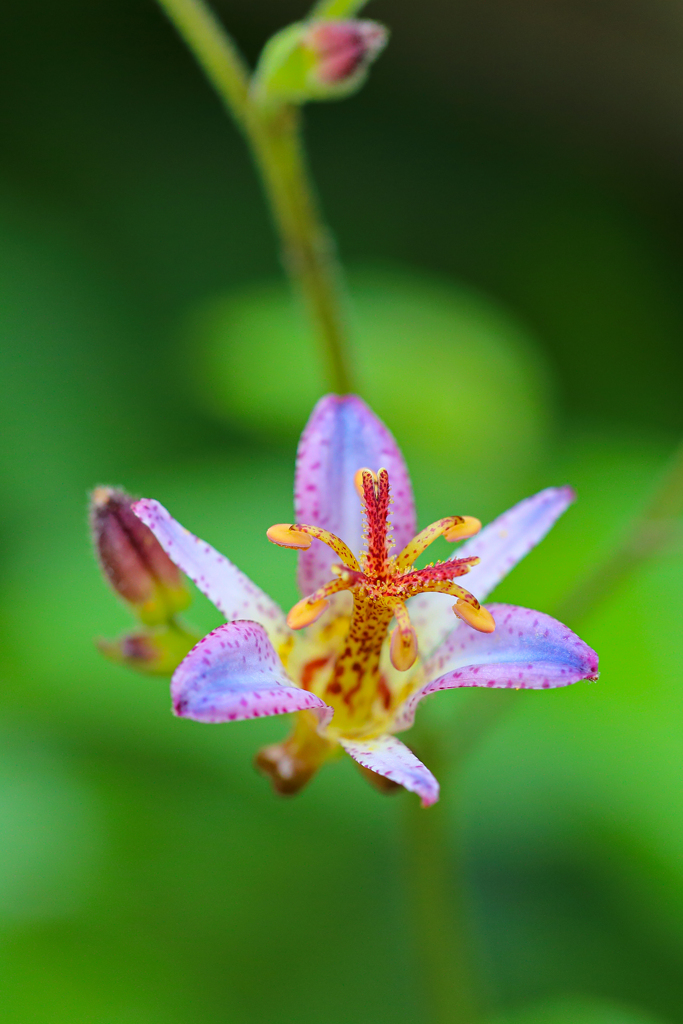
x: 322, y: 59
x: 286, y: 536
x: 306, y: 612
x: 403, y: 650
x: 475, y: 616
x: 468, y: 527
x: 132, y: 560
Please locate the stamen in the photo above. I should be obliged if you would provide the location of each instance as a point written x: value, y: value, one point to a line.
x: 299, y: 536
x: 468, y: 527
x: 305, y: 612
x: 451, y: 527
x: 287, y: 536
x: 466, y: 607
x: 478, y: 618
x: 403, y: 651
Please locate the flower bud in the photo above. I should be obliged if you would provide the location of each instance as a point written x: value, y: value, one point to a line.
x: 317, y: 60
x: 132, y: 559
x: 155, y: 652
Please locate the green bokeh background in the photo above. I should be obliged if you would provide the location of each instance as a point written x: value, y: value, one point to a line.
x: 507, y: 194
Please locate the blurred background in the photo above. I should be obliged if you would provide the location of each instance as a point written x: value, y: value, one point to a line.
x: 507, y: 193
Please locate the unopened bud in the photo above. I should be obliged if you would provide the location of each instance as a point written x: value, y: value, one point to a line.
x: 343, y: 49
x: 155, y: 652
x: 318, y: 60
x: 132, y: 559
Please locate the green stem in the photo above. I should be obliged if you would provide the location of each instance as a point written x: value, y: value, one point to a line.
x: 307, y: 247
x: 275, y: 139
x: 214, y: 50
x: 337, y: 8
x: 437, y: 901
x: 435, y: 883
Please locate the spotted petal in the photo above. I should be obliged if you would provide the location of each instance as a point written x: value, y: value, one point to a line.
x: 500, y: 546
x: 230, y: 590
x: 387, y: 756
x: 342, y: 436
x: 234, y: 674
x: 528, y: 651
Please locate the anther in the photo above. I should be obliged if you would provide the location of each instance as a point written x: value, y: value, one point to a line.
x: 468, y: 527
x: 403, y: 650
x: 286, y: 536
x: 475, y: 615
x: 305, y: 613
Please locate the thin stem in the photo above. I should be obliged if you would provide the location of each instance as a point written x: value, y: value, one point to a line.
x: 214, y: 50
x: 308, y: 250
x: 275, y: 139
x: 337, y: 8
x: 437, y: 900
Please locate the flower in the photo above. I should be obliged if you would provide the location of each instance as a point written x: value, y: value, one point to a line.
x: 332, y: 659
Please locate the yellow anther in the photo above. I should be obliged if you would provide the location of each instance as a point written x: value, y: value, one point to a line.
x: 358, y: 480
x: 460, y: 531
x: 286, y: 536
x: 403, y: 650
x: 475, y: 616
x: 306, y: 612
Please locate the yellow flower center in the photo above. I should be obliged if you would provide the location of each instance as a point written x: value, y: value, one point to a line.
x: 380, y: 584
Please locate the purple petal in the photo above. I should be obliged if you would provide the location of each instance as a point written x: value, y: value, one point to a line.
x: 230, y: 590
x: 342, y: 436
x: 387, y: 756
x: 500, y: 545
x: 234, y: 674
x: 528, y: 650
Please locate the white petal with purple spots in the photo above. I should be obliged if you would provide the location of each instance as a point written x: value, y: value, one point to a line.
x: 342, y: 436
x: 230, y: 590
x: 500, y: 546
x: 234, y: 674
x: 528, y: 650
x: 389, y: 757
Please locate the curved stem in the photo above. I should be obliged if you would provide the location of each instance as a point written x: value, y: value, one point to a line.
x: 308, y: 250
x: 437, y: 901
x: 214, y: 50
x: 275, y: 139
x: 337, y: 8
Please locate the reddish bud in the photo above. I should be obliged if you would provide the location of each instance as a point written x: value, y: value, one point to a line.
x: 132, y: 559
x: 343, y: 48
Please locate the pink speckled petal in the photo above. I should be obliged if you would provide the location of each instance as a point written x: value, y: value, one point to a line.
x: 230, y: 590
x: 387, y: 756
x: 234, y: 674
x: 342, y: 436
x: 500, y: 545
x: 528, y: 650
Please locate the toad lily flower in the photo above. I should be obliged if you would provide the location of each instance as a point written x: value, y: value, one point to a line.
x: 332, y: 659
